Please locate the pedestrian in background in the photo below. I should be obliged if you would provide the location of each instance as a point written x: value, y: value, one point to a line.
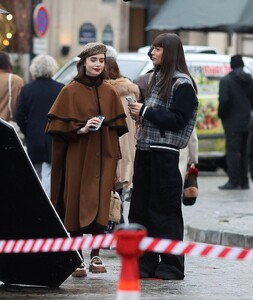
x: 10, y: 86
x: 33, y: 105
x: 250, y: 145
x: 84, y: 159
x: 188, y: 164
x: 189, y: 154
x: 235, y: 92
x: 167, y: 119
x: 124, y: 88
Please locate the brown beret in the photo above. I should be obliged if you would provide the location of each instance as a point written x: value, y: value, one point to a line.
x: 92, y: 49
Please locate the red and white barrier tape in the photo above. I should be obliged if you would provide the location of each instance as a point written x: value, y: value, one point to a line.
x: 108, y: 241
x: 195, y: 249
x: 56, y: 244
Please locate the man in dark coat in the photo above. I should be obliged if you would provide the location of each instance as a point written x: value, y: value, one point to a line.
x: 251, y: 147
x: 235, y: 92
x: 33, y: 105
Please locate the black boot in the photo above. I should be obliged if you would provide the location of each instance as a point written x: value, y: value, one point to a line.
x: 230, y: 186
x: 148, y: 264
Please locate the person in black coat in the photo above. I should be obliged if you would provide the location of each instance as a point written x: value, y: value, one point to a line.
x: 33, y: 105
x: 250, y: 146
x: 235, y: 92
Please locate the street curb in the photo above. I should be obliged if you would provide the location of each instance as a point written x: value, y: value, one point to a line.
x: 219, y: 237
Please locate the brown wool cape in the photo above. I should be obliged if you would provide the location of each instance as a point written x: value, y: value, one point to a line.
x: 84, y: 165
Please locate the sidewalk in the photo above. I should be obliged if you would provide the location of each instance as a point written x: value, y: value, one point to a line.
x: 220, y: 216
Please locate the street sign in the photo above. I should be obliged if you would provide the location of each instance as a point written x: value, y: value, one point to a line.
x: 87, y: 34
x: 40, y: 45
x: 40, y: 20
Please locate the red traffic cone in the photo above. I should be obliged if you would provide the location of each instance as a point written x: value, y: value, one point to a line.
x: 128, y: 238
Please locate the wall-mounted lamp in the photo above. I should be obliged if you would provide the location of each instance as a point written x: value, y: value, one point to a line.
x: 65, y: 50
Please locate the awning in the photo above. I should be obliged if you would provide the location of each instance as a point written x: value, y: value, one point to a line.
x: 204, y: 15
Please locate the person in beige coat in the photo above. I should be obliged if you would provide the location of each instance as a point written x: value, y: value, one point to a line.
x: 10, y: 86
x: 188, y: 166
x: 189, y: 155
x: 124, y: 88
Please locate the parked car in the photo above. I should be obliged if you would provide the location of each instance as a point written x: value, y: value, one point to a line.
x: 207, y: 69
x: 187, y: 49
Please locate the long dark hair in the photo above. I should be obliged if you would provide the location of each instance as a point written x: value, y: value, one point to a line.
x: 173, y: 59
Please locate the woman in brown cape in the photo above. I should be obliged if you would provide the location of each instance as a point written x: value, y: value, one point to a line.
x: 84, y: 161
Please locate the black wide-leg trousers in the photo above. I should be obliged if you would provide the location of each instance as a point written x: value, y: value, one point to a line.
x: 156, y: 199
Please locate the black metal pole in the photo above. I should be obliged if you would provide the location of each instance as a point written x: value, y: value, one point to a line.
x: 147, y: 34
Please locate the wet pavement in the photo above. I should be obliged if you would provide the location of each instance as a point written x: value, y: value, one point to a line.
x: 206, y: 278
x: 221, y: 217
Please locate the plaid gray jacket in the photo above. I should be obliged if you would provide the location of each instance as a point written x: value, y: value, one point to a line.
x: 151, y: 136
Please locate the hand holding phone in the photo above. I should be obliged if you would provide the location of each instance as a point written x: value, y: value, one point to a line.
x: 95, y: 128
x: 129, y: 99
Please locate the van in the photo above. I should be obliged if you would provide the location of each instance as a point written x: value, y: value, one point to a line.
x: 187, y: 49
x: 207, y: 70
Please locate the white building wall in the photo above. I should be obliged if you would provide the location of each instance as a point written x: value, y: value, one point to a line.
x: 66, y: 18
x: 240, y: 43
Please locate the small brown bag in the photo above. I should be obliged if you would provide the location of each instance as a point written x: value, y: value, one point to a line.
x: 115, y: 207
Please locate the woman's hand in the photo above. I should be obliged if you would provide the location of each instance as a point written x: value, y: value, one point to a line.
x: 134, y: 110
x: 93, y: 122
